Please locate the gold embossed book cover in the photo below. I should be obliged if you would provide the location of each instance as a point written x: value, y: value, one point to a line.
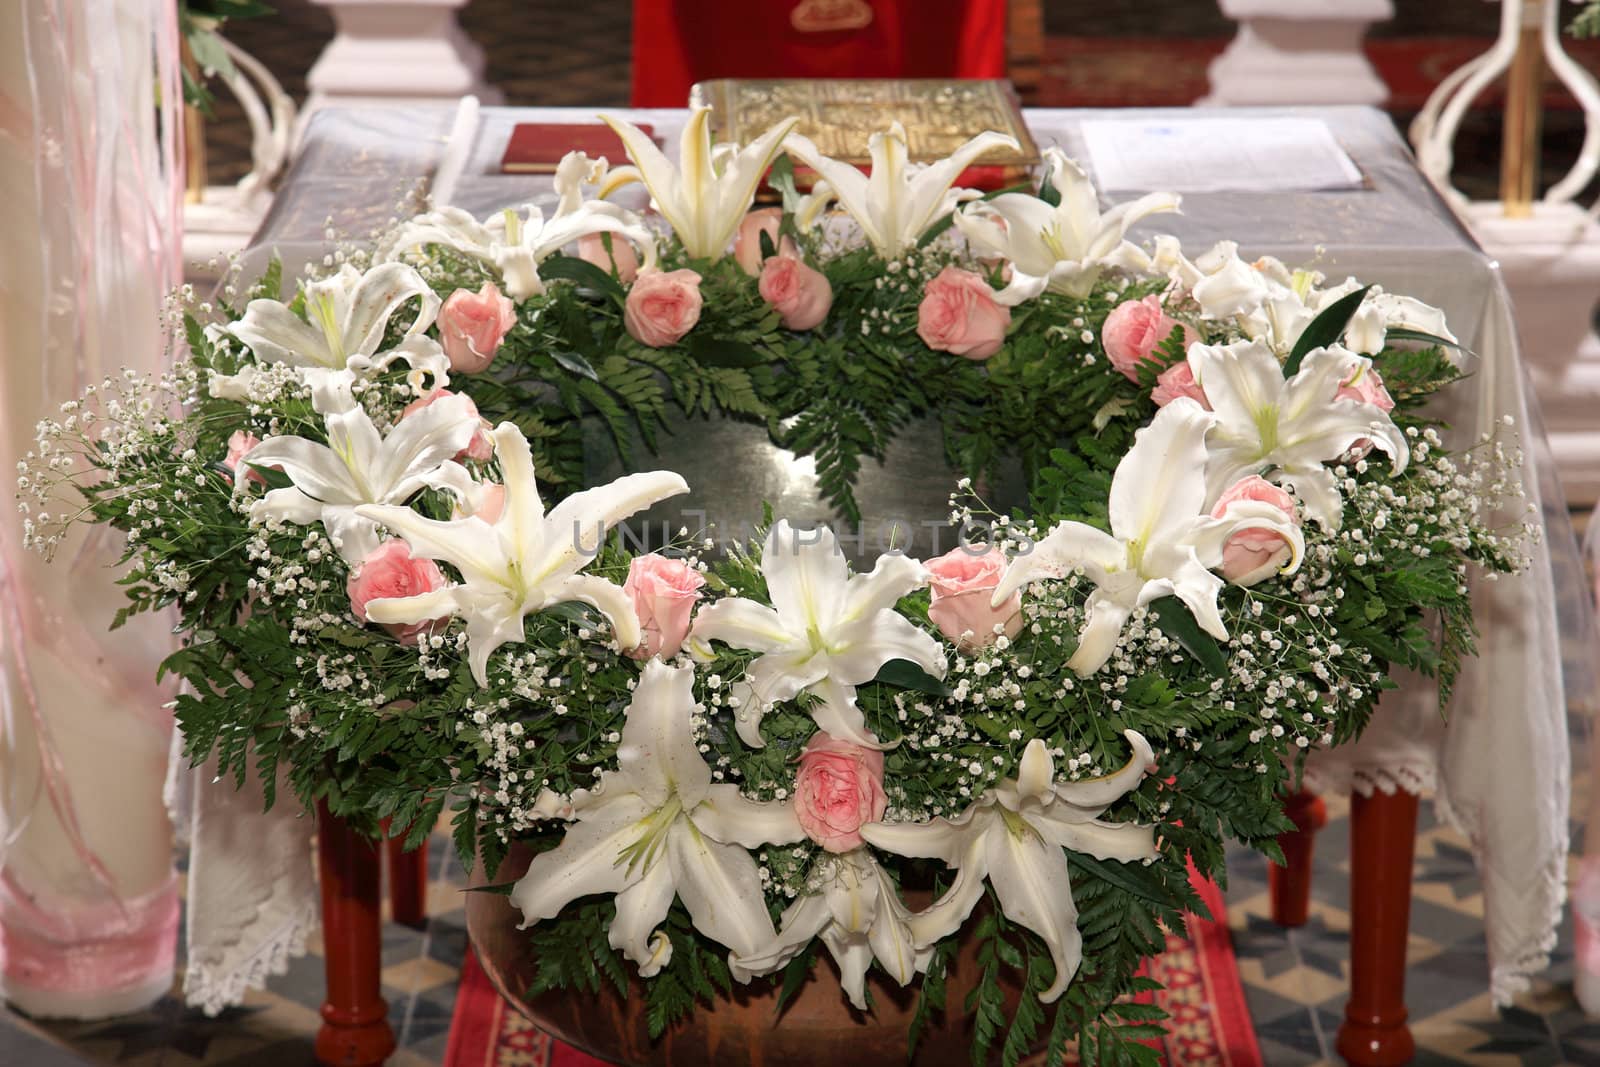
x: 839, y: 114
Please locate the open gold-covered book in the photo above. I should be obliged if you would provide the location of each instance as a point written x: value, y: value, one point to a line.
x: 840, y: 114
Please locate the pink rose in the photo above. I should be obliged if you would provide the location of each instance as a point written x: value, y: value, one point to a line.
x: 963, y: 581
x: 472, y: 325
x: 1134, y: 330
x: 664, y: 592
x: 1255, y: 554
x: 802, y: 296
x: 1178, y: 380
x: 481, y: 447
x: 623, y: 260
x: 959, y: 315
x: 747, y: 240
x: 387, y: 573
x: 839, y: 788
x: 1365, y: 386
x: 239, y: 445
x: 662, y: 307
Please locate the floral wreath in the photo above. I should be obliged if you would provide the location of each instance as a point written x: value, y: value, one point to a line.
x: 729, y: 758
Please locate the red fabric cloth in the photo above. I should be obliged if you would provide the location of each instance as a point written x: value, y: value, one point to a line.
x: 679, y: 42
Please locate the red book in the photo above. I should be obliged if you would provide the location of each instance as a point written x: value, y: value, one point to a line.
x: 536, y: 147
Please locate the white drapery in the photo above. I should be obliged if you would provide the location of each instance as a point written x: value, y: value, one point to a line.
x: 89, y: 99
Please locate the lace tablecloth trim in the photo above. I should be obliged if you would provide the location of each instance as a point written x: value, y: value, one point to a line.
x: 1509, y: 971
x: 1411, y: 777
x: 215, y: 983
x: 252, y: 888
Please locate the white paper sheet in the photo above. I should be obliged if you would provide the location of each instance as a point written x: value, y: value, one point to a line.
x: 1204, y: 155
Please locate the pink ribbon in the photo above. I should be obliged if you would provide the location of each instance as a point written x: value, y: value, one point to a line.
x: 87, y: 949
x: 52, y: 773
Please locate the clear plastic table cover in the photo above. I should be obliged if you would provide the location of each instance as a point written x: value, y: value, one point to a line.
x: 1497, y: 758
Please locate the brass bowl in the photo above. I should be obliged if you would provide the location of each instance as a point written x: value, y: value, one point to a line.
x: 817, y: 1026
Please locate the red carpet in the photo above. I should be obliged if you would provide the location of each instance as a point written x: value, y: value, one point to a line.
x: 485, y: 1032
x: 1210, y: 1024
x: 1171, y: 71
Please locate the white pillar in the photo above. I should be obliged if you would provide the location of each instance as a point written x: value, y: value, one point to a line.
x: 397, y: 52
x: 1298, y: 52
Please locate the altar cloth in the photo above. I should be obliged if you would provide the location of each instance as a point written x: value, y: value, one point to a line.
x: 1497, y: 759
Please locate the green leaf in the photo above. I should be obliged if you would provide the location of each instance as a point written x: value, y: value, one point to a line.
x: 1125, y: 876
x: 1048, y: 192
x: 195, y: 334
x: 231, y: 9
x: 904, y: 674
x: 502, y: 890
x: 276, y: 479
x: 209, y: 53
x: 719, y: 352
x: 1402, y: 333
x: 270, y: 287
x: 1326, y: 328
x: 575, y: 363
x: 781, y: 178
x: 1175, y: 619
x: 576, y: 612
x: 795, y: 975
x: 768, y: 249
x: 584, y: 273
x: 195, y: 93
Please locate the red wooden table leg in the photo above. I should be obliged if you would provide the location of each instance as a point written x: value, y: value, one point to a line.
x: 408, y: 882
x: 1383, y: 831
x: 355, y: 1020
x: 1290, y: 885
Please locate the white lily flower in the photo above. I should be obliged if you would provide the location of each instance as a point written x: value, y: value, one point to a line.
x: 1162, y: 542
x: 1273, y: 304
x: 898, y: 201
x: 706, y: 196
x: 657, y: 828
x: 1062, y: 248
x: 1293, y: 425
x: 347, y: 315
x: 1381, y: 312
x: 1013, y: 836
x: 359, y: 467
x: 526, y: 560
x: 575, y: 171
x: 858, y: 913
x: 827, y: 631
x: 515, y: 244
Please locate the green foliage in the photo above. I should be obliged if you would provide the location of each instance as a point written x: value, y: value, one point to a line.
x: 198, y: 22
x: 576, y: 956
x: 697, y: 974
x: 1586, y: 23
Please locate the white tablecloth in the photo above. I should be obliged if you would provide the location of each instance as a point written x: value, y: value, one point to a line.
x: 1497, y: 761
